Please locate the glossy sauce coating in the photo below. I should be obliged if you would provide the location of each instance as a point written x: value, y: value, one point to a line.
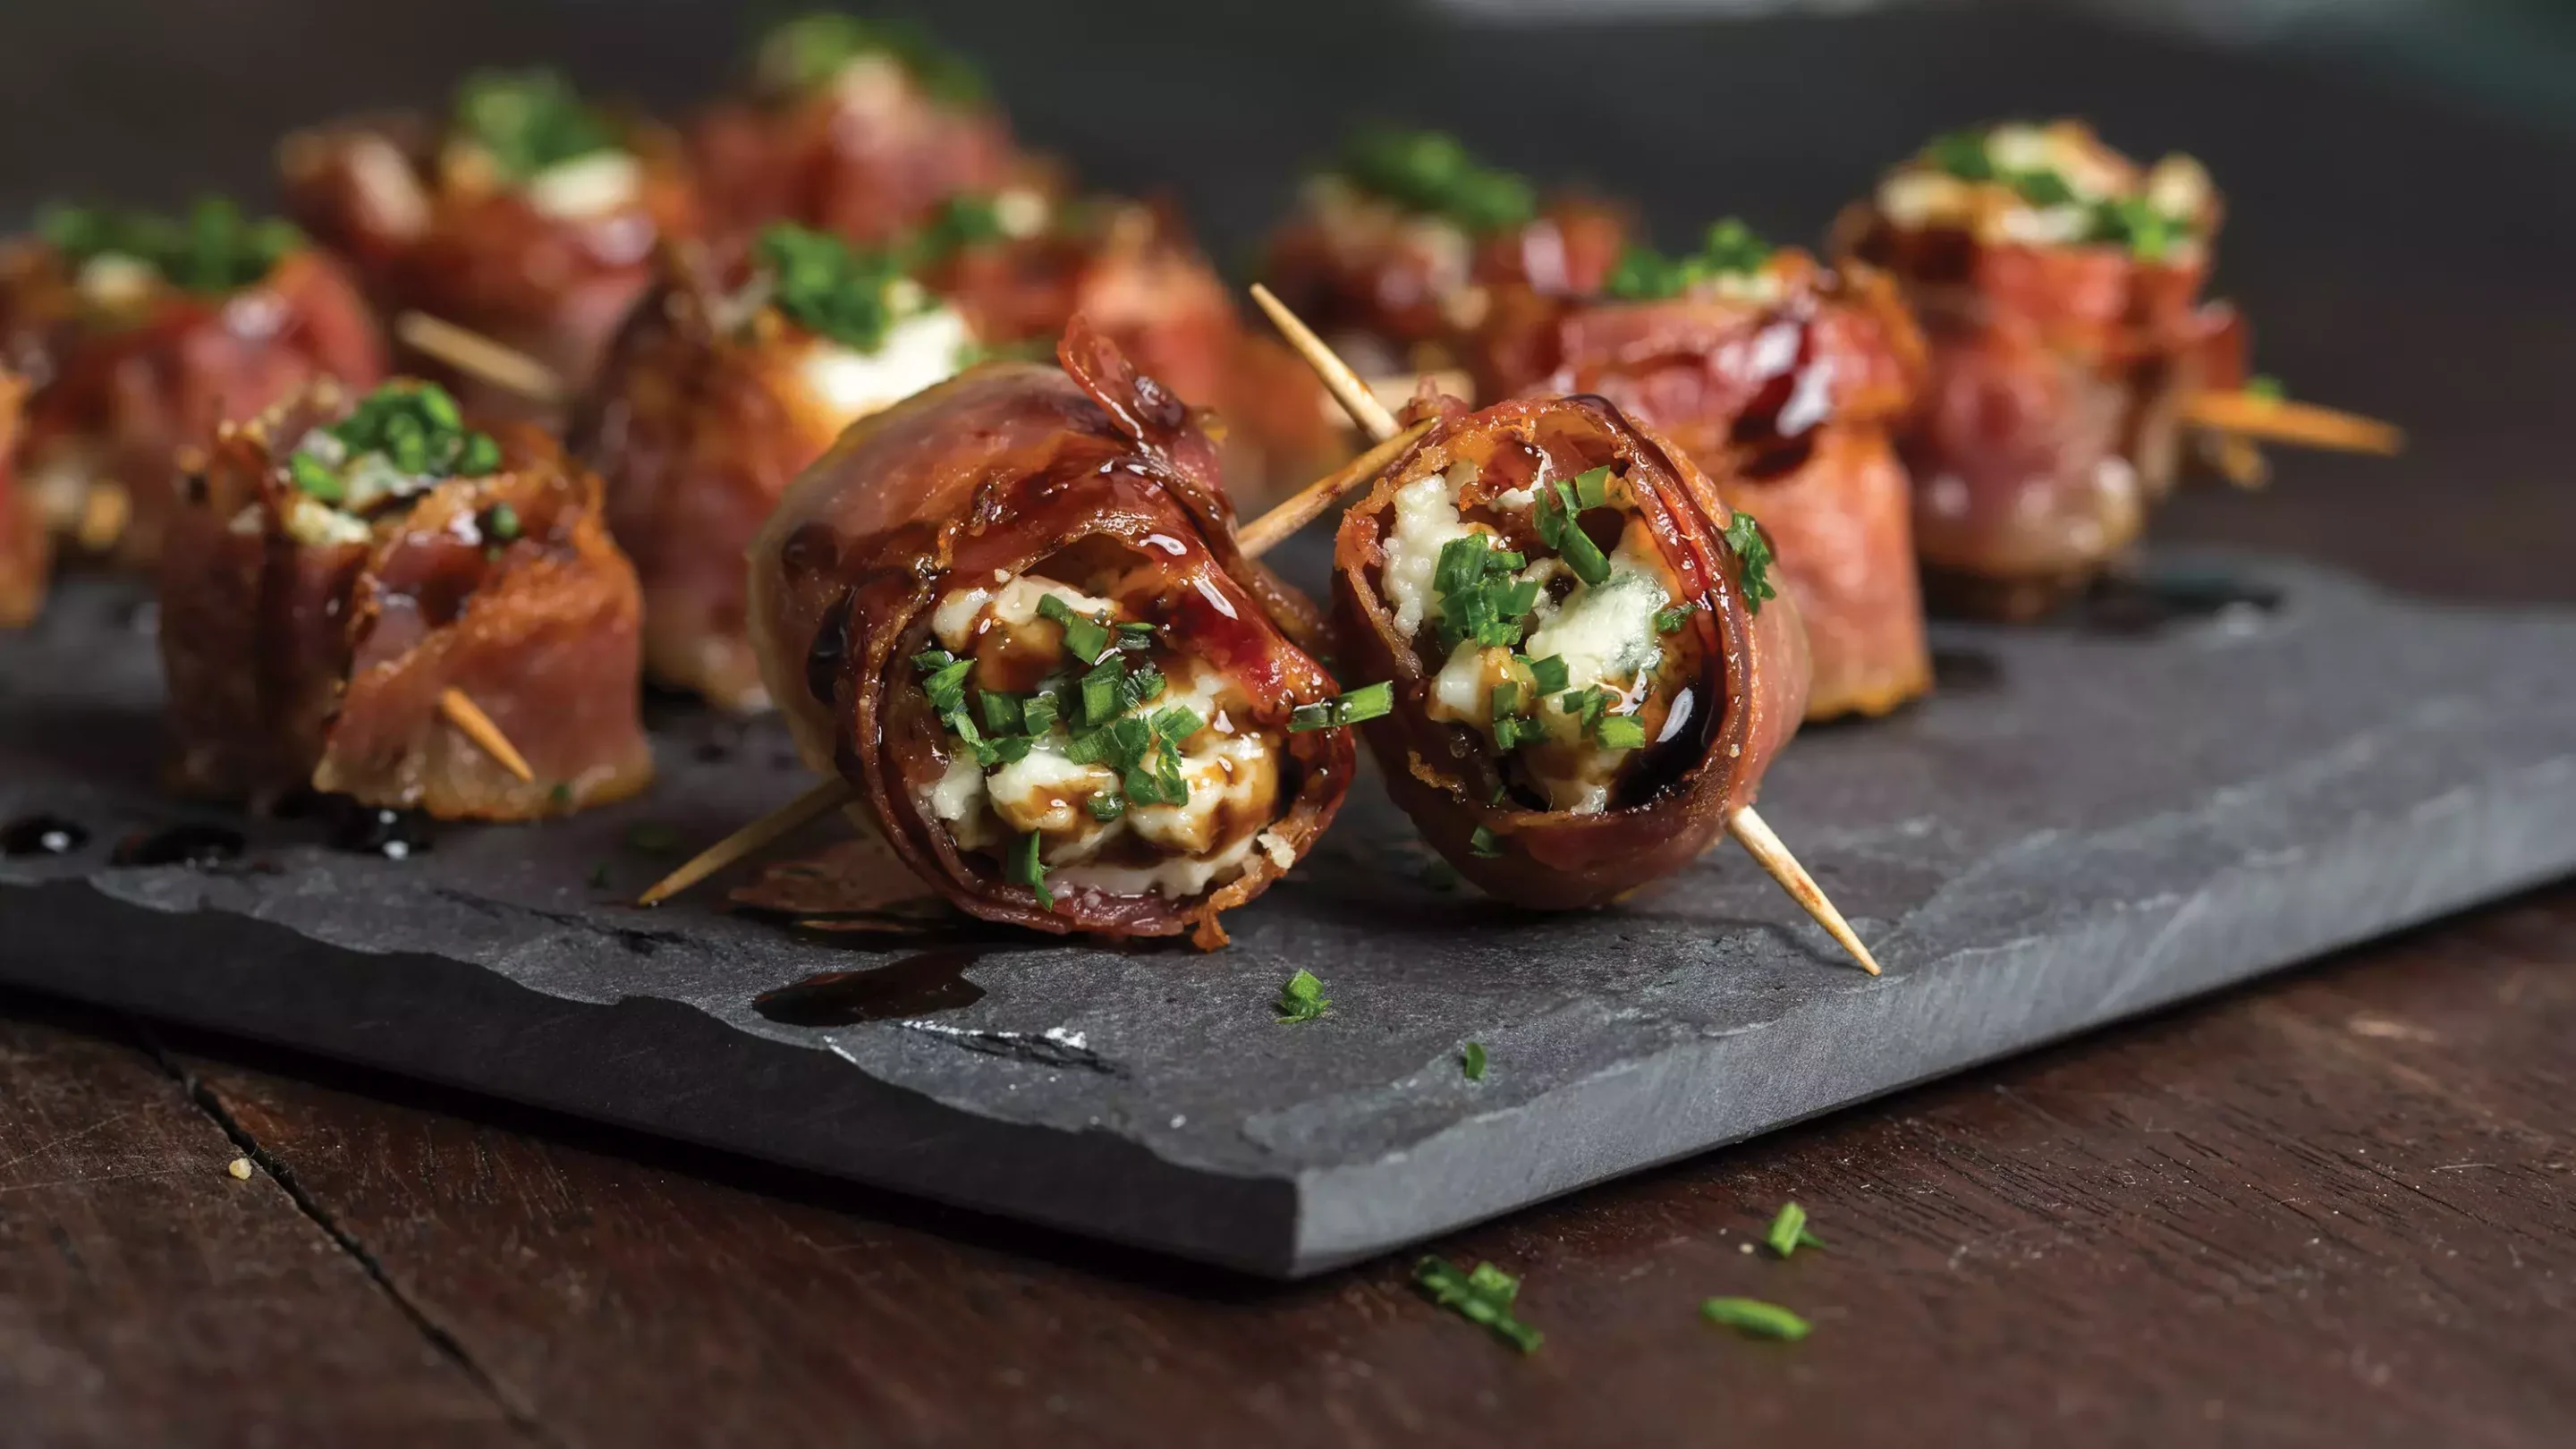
x: 1012, y: 469
x: 1445, y: 776
x: 1782, y: 387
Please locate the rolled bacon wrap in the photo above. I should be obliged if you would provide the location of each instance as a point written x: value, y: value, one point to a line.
x: 548, y: 265
x: 137, y: 383
x: 1782, y: 384
x: 1719, y: 687
x: 306, y: 647
x: 851, y: 127
x: 26, y: 550
x: 2061, y: 355
x: 703, y: 413
x: 929, y: 528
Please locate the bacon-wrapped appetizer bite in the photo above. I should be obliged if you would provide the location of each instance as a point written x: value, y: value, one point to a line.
x: 26, y: 550
x: 1011, y: 613
x: 339, y: 576
x: 858, y: 127
x: 1781, y: 379
x: 529, y: 217
x: 2059, y: 285
x: 143, y: 332
x: 1590, y: 670
x: 1022, y: 268
x: 724, y: 385
x: 1388, y: 252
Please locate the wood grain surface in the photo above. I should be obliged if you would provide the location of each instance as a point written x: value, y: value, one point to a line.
x: 2338, y: 1208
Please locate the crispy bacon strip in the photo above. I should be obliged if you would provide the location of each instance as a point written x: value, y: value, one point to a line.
x: 130, y: 395
x: 984, y: 479
x: 1783, y: 391
x: 2051, y: 418
x: 26, y: 550
x: 1674, y: 797
x: 473, y: 251
x: 294, y: 663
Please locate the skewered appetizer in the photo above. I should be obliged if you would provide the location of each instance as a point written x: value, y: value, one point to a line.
x: 724, y: 385
x: 343, y: 571
x: 1781, y: 379
x: 1011, y: 614
x: 26, y: 550
x: 1022, y: 269
x: 1591, y: 671
x: 529, y: 216
x: 2058, y: 283
x: 1390, y: 249
x: 143, y: 332
x: 858, y: 127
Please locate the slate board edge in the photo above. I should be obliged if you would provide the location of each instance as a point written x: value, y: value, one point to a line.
x: 2514, y: 832
x: 648, y: 1060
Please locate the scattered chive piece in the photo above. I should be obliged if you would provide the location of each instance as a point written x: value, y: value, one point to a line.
x: 1302, y: 999
x: 1789, y: 1231
x: 827, y: 286
x: 1643, y: 274
x: 652, y: 838
x: 1561, y: 525
x: 1755, y: 1317
x: 529, y: 120
x: 502, y: 522
x: 2265, y: 386
x: 1962, y: 154
x: 1472, y: 1061
x: 1547, y: 675
x: 800, y: 55
x: 1753, y: 555
x: 1485, y: 843
x: 212, y: 249
x: 1670, y: 621
x: 1106, y: 806
x: 1367, y: 702
x: 1026, y: 868
x: 1483, y: 1297
x: 1038, y: 714
x: 1592, y: 488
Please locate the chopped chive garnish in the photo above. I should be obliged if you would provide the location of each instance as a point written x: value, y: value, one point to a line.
x: 1026, y: 868
x: 1670, y: 621
x: 1592, y: 488
x: 1547, y: 675
x: 1962, y: 154
x: 1472, y: 1061
x: 1037, y: 714
x: 1106, y: 806
x: 1485, y: 843
x: 1085, y: 638
x: 315, y: 478
x: 1755, y: 1317
x: 502, y: 522
x: 1364, y: 703
x: 1483, y: 1297
x: 1302, y: 998
x: 1729, y: 247
x: 1429, y: 171
x: 1789, y: 1231
x: 1753, y: 555
x: 1619, y: 732
x: 946, y: 687
x: 1001, y: 712
x: 1100, y: 693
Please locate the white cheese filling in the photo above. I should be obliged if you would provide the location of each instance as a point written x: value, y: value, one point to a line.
x: 587, y: 187
x: 1232, y: 773
x: 920, y: 351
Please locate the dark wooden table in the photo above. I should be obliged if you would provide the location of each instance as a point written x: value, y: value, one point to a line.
x: 2337, y: 1208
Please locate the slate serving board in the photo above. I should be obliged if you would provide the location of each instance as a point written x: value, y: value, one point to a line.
x: 2245, y: 765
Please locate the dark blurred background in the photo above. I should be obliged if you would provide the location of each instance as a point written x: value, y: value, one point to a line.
x: 2401, y: 174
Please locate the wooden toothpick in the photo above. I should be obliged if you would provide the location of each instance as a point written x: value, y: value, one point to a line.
x: 481, y: 358
x: 820, y: 801
x: 1749, y: 829
x: 1309, y: 503
x: 475, y: 725
x: 2276, y: 420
